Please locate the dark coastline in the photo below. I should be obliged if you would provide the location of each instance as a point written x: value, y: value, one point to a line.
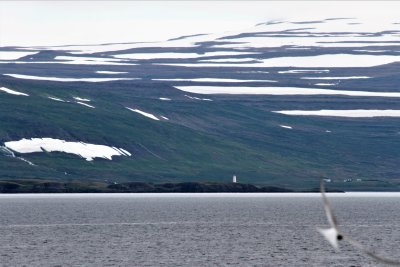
x: 40, y: 186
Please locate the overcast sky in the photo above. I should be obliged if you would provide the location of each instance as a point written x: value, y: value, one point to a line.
x: 89, y: 22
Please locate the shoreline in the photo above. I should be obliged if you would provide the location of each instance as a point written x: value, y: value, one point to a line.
x: 199, y: 195
x: 38, y: 186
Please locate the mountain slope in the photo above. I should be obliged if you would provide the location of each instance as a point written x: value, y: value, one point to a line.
x: 139, y: 97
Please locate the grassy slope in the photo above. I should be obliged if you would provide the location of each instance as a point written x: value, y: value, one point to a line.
x: 202, y: 141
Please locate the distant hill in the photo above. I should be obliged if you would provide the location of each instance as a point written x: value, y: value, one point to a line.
x: 204, y: 107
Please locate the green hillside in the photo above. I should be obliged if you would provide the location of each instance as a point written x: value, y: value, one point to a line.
x: 201, y: 141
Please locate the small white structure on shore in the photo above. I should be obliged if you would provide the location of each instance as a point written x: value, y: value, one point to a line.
x: 234, y: 179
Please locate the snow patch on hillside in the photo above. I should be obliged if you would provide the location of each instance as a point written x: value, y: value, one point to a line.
x: 56, y: 99
x: 85, y: 150
x: 331, y: 60
x: 336, y: 78
x: 355, y: 113
x: 218, y: 80
x: 178, y: 55
x: 12, y: 92
x: 198, y: 98
x: 148, y: 115
x: 302, y: 71
x: 84, y: 104
x: 9, y: 153
x: 125, y: 152
x: 41, y: 78
x: 75, y: 60
x: 111, y: 72
x: 229, y: 60
x: 13, y: 55
x: 304, y: 34
x: 320, y: 61
x: 325, y: 84
x: 81, y: 99
x: 286, y: 126
x: 238, y: 90
x: 122, y: 151
x: 267, y: 41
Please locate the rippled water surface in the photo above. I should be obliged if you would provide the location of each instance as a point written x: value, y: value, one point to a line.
x: 192, y: 229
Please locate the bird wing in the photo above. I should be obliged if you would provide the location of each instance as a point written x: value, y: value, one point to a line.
x: 328, y: 210
x: 372, y: 254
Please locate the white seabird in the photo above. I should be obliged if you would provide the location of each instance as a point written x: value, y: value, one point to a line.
x: 333, y: 235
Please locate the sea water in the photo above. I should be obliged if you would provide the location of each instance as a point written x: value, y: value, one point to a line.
x: 193, y: 229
